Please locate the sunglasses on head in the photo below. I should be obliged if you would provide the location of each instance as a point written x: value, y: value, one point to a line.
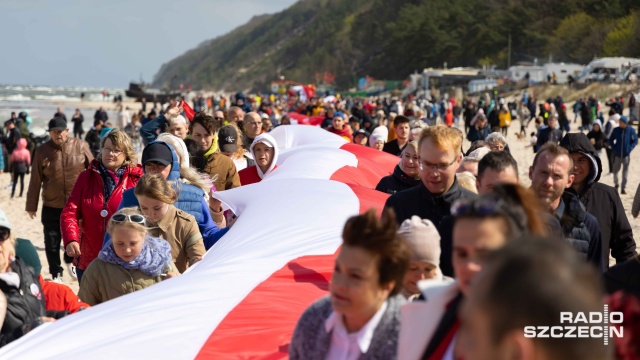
x: 4, y: 233
x: 134, y: 218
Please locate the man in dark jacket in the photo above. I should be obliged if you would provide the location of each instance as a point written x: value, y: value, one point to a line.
x: 623, y: 140
x: 101, y: 115
x: 600, y: 200
x: 93, y: 137
x: 12, y: 136
x: 440, y: 157
x: 551, y: 174
x: 401, y: 127
x: 549, y: 133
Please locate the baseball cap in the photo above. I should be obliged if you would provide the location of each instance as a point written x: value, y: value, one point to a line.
x: 228, y: 139
x: 158, y: 152
x: 57, y: 123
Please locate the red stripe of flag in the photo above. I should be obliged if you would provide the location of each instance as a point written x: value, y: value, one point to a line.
x: 188, y: 111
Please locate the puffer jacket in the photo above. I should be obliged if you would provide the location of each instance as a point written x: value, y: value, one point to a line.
x: 190, y: 200
x: 25, y: 302
x: 581, y: 230
x: 603, y: 202
x: 397, y: 181
x: 56, y: 169
x: 80, y: 220
x: 103, y: 281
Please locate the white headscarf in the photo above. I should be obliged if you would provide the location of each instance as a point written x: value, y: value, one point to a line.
x: 270, y: 142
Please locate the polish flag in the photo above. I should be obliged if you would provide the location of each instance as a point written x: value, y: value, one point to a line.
x: 188, y: 111
x: 244, y: 298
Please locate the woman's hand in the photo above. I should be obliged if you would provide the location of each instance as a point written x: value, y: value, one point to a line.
x: 171, y: 274
x: 73, y: 249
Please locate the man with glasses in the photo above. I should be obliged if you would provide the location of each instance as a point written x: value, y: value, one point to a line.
x: 55, y: 169
x: 252, y: 125
x: 439, y: 158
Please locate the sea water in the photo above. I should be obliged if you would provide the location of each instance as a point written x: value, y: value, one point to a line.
x: 42, y: 102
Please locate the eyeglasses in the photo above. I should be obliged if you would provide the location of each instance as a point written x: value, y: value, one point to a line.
x: 4, y: 233
x: 436, y: 167
x: 112, y: 151
x: 134, y: 218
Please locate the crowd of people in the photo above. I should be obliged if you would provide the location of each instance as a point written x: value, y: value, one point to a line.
x: 453, y: 268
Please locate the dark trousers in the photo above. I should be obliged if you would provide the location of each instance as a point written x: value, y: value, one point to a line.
x: 79, y: 273
x: 609, y: 158
x: 16, y: 176
x: 53, y: 239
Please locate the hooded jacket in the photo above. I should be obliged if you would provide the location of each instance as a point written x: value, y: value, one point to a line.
x: 603, y: 202
x: 253, y: 174
x: 598, y: 138
x: 80, y: 220
x: 190, y: 200
x: 397, y: 181
x: 21, y: 157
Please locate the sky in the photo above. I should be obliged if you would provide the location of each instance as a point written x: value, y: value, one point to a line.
x: 109, y: 43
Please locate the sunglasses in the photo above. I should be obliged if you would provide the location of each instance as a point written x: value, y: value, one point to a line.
x: 4, y: 234
x: 134, y: 218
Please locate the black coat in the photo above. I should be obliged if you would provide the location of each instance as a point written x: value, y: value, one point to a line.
x: 93, y: 139
x: 548, y: 135
x: 25, y: 304
x: 393, y: 148
x: 624, y: 276
x: 603, y: 202
x: 478, y: 134
x: 397, y: 181
x: 581, y: 230
x: 420, y: 201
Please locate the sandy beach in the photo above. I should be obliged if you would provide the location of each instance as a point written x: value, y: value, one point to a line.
x: 31, y: 229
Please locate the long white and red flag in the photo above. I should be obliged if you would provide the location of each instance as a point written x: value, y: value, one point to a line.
x: 244, y: 298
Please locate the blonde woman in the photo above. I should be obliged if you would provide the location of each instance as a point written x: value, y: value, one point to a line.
x: 96, y: 196
x: 131, y: 261
x: 231, y: 144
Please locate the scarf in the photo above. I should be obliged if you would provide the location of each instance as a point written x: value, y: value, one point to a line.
x: 154, y: 259
x: 213, y: 148
x: 109, y: 183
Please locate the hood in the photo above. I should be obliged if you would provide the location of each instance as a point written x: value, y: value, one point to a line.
x: 22, y: 144
x: 175, y: 165
x: 240, y: 96
x: 268, y: 139
x: 578, y: 142
x: 597, y: 121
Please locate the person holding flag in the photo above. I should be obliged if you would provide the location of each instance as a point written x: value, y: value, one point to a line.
x: 150, y: 131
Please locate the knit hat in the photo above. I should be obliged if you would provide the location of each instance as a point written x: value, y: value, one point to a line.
x: 423, y: 240
x: 624, y: 119
x: 4, y: 221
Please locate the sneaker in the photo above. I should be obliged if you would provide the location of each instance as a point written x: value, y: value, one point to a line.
x: 57, y: 279
x: 72, y: 270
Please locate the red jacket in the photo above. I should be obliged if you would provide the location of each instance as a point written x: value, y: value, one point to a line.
x: 80, y: 219
x: 60, y: 297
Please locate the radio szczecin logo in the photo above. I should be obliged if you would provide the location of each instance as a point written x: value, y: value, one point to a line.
x: 582, y: 325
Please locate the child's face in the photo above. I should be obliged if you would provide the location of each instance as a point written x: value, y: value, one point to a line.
x: 127, y: 242
x: 153, y: 209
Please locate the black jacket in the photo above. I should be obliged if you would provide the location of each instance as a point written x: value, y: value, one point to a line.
x: 478, y: 134
x: 548, y: 134
x: 437, y: 208
x: 393, y: 148
x: 624, y: 276
x: 395, y: 182
x: 603, y: 202
x: 25, y: 304
x: 93, y: 139
x: 581, y: 230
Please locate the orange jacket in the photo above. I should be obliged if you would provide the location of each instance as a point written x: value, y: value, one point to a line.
x: 60, y: 297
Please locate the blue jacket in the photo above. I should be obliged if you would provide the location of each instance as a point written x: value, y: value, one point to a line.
x: 190, y: 199
x: 148, y: 131
x: 623, y: 141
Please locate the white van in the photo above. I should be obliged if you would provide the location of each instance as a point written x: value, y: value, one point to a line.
x: 597, y: 69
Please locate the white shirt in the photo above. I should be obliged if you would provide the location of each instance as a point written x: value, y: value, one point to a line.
x: 345, y: 346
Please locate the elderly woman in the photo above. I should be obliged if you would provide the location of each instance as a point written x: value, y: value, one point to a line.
x: 177, y: 126
x: 480, y: 225
x: 360, y: 317
x: 496, y: 142
x: 22, y: 305
x: 405, y: 174
x: 96, y: 196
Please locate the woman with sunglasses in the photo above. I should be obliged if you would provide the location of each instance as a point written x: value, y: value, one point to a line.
x: 481, y: 225
x: 405, y: 174
x: 95, y: 196
x: 132, y: 260
x: 22, y: 304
